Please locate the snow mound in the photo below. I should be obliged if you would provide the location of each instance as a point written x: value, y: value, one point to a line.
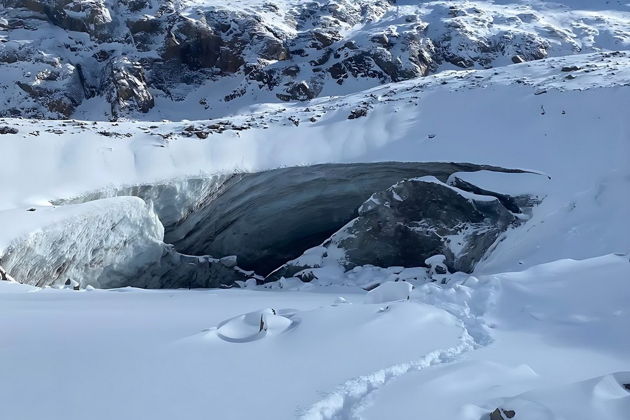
x: 604, y: 397
x: 389, y: 292
x: 253, y: 326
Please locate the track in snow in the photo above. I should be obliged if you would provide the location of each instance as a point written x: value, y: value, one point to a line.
x: 348, y: 400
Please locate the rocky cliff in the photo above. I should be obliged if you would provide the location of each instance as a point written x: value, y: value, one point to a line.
x: 100, y: 59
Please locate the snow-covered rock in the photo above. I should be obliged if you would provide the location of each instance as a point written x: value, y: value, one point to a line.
x: 4, y: 276
x: 408, y: 223
x: 215, y: 57
x: 253, y: 326
x: 123, y: 84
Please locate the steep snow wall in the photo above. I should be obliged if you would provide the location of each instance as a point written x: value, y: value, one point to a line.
x: 98, y: 243
x: 112, y: 242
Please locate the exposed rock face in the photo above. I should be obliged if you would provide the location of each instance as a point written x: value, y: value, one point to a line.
x: 89, y: 16
x: 510, y: 203
x: 125, y: 86
x: 4, y: 276
x: 218, y: 54
x: 54, y: 90
x: 408, y: 223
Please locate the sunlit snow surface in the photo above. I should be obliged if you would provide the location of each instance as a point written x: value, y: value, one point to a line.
x: 542, y: 327
x: 550, y: 342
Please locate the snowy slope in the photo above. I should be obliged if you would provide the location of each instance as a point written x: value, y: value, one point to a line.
x: 574, y: 130
x: 150, y: 60
x: 537, y: 331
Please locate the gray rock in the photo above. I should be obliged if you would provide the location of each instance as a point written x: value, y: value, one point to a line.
x: 4, y: 276
x: 416, y: 219
x: 509, y: 202
x: 501, y: 414
x: 406, y: 224
x: 300, y: 91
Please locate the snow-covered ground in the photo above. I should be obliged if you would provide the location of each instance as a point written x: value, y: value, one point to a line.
x: 550, y: 342
x: 539, y: 328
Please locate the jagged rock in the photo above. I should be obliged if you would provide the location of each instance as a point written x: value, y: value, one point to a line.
x: 509, y: 202
x: 192, y: 43
x: 4, y: 276
x: 501, y: 414
x: 418, y: 218
x: 325, y: 38
x: 291, y: 71
x: 124, y: 85
x: 357, y: 113
x: 408, y: 223
x: 300, y: 91
x: 92, y: 17
x: 272, y: 49
x: 135, y: 5
x: 268, y: 47
x: 62, y: 100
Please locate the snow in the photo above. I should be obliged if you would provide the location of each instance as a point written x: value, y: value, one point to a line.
x: 158, y: 354
x: 540, y: 327
x: 389, y: 292
x: 566, y: 143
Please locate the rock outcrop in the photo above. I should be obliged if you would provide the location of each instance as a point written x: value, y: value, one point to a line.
x: 124, y: 86
x: 128, y: 52
x: 409, y: 225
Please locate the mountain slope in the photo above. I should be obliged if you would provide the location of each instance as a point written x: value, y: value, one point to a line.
x: 101, y: 60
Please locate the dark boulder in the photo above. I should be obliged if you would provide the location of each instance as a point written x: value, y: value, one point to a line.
x: 299, y: 91
x: 418, y: 218
x: 408, y: 223
x: 501, y: 414
x: 509, y: 202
